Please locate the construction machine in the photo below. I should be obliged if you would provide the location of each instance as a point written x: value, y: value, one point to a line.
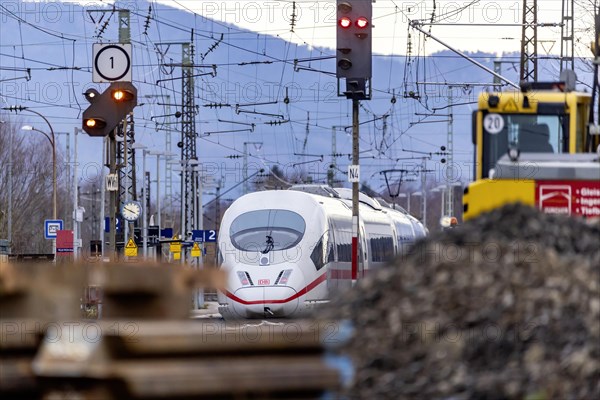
x: 529, y: 147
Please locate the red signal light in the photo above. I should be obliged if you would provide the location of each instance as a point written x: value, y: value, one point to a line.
x: 345, y: 22
x: 362, y: 23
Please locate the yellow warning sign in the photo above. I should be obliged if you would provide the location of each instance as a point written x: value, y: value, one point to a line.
x: 175, y: 247
x: 131, y: 249
x: 195, y: 250
x: 511, y: 105
x: 176, y: 256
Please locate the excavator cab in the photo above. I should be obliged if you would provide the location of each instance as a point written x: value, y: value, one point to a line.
x: 543, y: 117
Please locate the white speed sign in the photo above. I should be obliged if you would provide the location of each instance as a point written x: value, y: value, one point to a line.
x: 493, y: 123
x: 111, y: 62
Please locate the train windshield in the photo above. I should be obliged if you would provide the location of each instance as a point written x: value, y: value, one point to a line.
x: 267, y: 230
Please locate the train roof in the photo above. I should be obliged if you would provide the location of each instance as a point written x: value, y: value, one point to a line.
x: 333, y: 202
x: 340, y: 199
x: 338, y: 193
x: 372, y: 209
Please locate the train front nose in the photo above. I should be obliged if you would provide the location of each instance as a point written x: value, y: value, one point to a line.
x: 265, y: 302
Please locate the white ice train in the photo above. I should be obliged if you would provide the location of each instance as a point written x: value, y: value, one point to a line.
x: 286, y: 251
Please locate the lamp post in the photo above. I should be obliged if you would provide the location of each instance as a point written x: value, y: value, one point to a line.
x: 52, y: 141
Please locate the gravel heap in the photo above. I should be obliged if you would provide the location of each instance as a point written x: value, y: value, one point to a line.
x: 505, y: 307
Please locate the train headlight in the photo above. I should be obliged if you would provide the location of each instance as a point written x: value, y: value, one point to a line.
x: 244, y: 278
x: 283, y: 277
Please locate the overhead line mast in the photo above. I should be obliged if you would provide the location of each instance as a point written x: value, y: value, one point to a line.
x: 567, y: 36
x: 529, y: 53
x: 189, y: 178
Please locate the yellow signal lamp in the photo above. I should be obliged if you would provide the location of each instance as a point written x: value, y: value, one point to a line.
x: 121, y: 95
x: 95, y: 123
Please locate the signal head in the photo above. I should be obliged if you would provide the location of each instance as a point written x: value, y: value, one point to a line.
x: 108, y: 109
x: 354, y: 39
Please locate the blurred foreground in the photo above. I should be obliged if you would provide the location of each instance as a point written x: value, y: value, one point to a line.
x: 505, y: 307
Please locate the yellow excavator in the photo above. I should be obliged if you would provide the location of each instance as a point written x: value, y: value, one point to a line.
x: 530, y: 147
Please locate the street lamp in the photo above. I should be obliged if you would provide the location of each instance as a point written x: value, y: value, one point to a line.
x: 52, y: 143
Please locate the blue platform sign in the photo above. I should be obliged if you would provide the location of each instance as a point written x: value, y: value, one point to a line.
x: 204, y: 236
x: 51, y: 226
x: 210, y: 236
x: 107, y: 224
x: 166, y: 232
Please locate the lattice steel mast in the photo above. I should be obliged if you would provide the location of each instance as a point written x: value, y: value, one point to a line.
x: 189, y: 158
x: 567, y: 34
x: 125, y: 151
x: 528, y: 72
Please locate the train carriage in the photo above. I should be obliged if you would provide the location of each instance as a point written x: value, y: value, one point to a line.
x: 287, y: 251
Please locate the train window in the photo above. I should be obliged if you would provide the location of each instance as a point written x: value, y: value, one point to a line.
x: 382, y: 247
x: 342, y: 238
x: 344, y: 245
x: 405, y: 231
x: 330, y: 253
x: 267, y: 230
x: 322, y: 252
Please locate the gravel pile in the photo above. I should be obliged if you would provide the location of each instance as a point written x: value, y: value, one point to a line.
x: 505, y: 307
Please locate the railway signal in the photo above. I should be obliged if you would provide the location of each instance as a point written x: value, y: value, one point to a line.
x: 353, y: 63
x: 108, y: 109
x: 354, y: 39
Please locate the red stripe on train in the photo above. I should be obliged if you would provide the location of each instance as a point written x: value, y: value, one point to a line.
x: 301, y: 292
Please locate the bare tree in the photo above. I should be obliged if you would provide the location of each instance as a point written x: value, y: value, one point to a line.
x: 31, y: 187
